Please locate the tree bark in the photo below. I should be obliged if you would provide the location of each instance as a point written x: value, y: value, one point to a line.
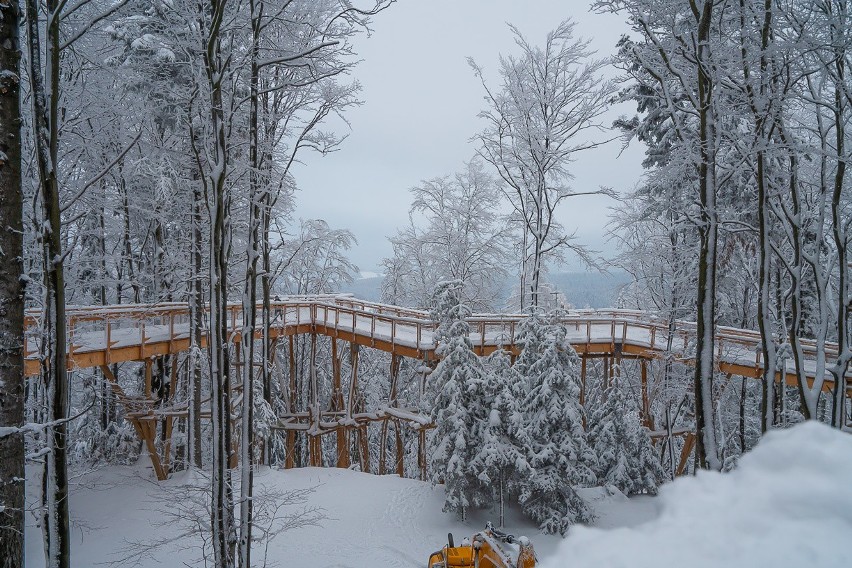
x: 706, y: 447
x: 222, y: 506
x: 12, y: 383
x: 250, y: 302
x: 54, y: 374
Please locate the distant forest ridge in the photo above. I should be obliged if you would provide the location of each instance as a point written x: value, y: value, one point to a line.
x: 582, y: 289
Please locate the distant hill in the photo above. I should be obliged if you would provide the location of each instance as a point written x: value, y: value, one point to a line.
x: 369, y: 288
x: 590, y: 289
x: 583, y: 289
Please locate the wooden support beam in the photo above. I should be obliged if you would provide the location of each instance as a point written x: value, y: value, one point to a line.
x: 364, y: 448
x: 291, y: 392
x: 315, y: 450
x: 167, y: 434
x: 113, y: 383
x: 336, y: 388
x: 337, y: 405
x: 343, y: 448
x: 290, y: 450
x: 383, y: 437
x: 645, y: 411
x: 421, y: 453
x: 148, y: 376
x: 400, y: 450
x: 688, y: 445
x: 314, y: 440
x: 383, y: 444
x: 147, y: 431
x: 352, y: 399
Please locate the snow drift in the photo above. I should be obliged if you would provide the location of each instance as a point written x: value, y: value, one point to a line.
x: 789, y: 503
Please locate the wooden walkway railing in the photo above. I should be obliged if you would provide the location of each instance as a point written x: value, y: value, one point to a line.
x: 99, y: 336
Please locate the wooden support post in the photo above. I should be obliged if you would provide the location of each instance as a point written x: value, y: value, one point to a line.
x: 315, y: 450
x: 338, y: 405
x: 335, y: 373
x: 353, y: 381
x: 167, y: 435
x: 400, y: 450
x: 148, y: 375
x: 290, y: 443
x: 234, y: 458
x: 421, y: 452
x: 342, y: 447
x: 646, y: 401
x: 314, y: 413
x: 291, y: 392
x: 351, y: 403
x: 583, y: 362
x: 289, y: 461
x: 147, y: 430
x: 113, y: 383
x: 383, y: 437
x: 616, y: 361
x: 174, y: 376
x: 383, y: 443
x: 167, y: 444
x: 688, y: 444
x: 364, y: 448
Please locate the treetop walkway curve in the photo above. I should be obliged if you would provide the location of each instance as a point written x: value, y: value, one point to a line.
x: 101, y: 336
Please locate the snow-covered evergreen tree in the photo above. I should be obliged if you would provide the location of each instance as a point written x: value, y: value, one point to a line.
x: 626, y: 458
x: 501, y: 462
x: 458, y: 413
x: 531, y: 336
x: 557, y: 450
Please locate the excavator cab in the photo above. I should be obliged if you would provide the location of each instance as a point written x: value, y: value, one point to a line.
x: 486, y: 549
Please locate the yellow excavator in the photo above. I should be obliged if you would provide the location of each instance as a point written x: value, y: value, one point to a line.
x: 486, y: 549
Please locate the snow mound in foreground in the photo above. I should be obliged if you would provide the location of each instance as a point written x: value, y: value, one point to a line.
x: 789, y: 503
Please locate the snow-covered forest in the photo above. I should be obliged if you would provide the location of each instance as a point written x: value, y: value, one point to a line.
x: 166, y: 310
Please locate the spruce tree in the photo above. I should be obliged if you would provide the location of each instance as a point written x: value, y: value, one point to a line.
x: 557, y: 447
x: 457, y: 385
x: 626, y: 458
x: 650, y: 473
x: 501, y: 462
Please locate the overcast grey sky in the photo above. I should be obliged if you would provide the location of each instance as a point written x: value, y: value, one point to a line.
x: 421, y: 101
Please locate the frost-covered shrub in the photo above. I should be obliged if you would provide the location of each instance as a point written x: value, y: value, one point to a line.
x: 115, y: 444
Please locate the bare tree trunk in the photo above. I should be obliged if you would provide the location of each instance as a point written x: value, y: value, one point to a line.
x: 839, y: 218
x: 196, y: 323
x: 250, y: 302
x: 706, y: 447
x: 222, y: 506
x: 45, y: 96
x: 12, y: 383
x: 128, y: 248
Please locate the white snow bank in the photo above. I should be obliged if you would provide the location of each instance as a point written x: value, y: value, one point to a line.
x: 370, y: 520
x: 788, y: 504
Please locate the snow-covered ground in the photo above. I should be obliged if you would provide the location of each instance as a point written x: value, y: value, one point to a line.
x: 789, y: 504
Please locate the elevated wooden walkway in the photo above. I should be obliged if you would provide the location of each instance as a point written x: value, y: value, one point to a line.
x: 101, y: 336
